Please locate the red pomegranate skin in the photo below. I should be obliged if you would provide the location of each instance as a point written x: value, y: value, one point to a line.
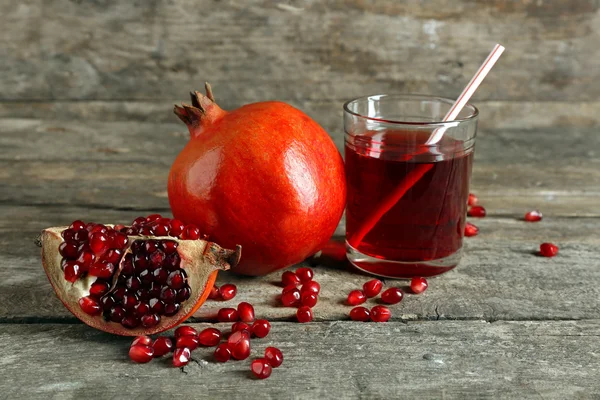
x: 265, y: 176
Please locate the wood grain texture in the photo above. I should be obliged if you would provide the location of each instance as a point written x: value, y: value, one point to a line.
x: 341, y: 360
x: 258, y: 50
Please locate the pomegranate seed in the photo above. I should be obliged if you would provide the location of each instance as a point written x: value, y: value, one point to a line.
x: 98, y: 228
x: 167, y: 295
x: 227, y: 315
x: 90, y: 306
x: 235, y: 337
x: 130, y: 322
x: 304, y: 314
x: 151, y: 246
x: 471, y: 230
x: 533, y: 216
x: 360, y: 314
x: 99, y: 289
x: 153, y: 217
x: 80, y: 236
x: 476, y: 211
x: 191, y: 232
x: 141, y: 354
x: 68, y: 250
x: 171, y: 262
x: 139, y: 221
x: 77, y: 225
x: 209, y: 337
x: 176, y: 228
x: 311, y: 286
x: 183, y: 294
x: 169, y: 246
x: 214, y: 293
x: 245, y: 311
x: 129, y: 301
x: 160, y: 229
x: 72, y: 271
x: 98, y: 242
x: 67, y: 234
x: 228, y: 291
x: 156, y: 259
x: 162, y: 345
x: 177, y: 279
x: 185, y: 331
x: 548, y: 249
x: 289, y: 278
x: 309, y: 299
x: 191, y: 342
x: 181, y: 357
x: 274, y: 356
x: 418, y: 285
x: 260, y: 328
x: 290, y: 296
x: 171, y: 309
x: 380, y: 314
x: 241, y: 349
x: 261, y: 368
x: 392, y: 296
x: 150, y: 320
x: 85, y: 259
x: 102, y: 269
x: 222, y: 353
x: 141, y: 309
x: 356, y: 297
x: 305, y: 274
x: 142, y: 340
x: 473, y: 200
x: 119, y: 241
x: 372, y: 288
x: 116, y: 314
x: 240, y: 326
x: 112, y: 256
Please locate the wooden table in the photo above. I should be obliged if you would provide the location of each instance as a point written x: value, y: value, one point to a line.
x: 86, y: 132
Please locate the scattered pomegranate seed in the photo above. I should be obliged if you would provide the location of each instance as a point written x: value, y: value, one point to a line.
x: 305, y: 274
x: 372, y: 288
x: 418, y: 285
x: 380, y: 314
x: 185, y: 331
x: 235, y: 337
x: 227, y: 315
x: 311, y: 286
x: 222, y: 353
x: 141, y: 340
x: 392, y: 296
x: 260, y: 328
x: 240, y: 326
x: 228, y: 291
x: 141, y: 354
x: 471, y: 230
x: 191, y: 342
x: 548, y: 249
x: 240, y: 348
x: 473, y: 200
x: 360, y: 314
x: 533, y: 216
x: 245, y: 312
x: 214, y: 293
x: 274, y: 356
x: 304, y: 314
x: 309, y: 299
x: 356, y: 297
x: 162, y: 345
x: 209, y: 337
x: 477, y: 211
x: 290, y: 296
x: 261, y: 368
x: 90, y: 305
x: 181, y: 357
x: 289, y: 278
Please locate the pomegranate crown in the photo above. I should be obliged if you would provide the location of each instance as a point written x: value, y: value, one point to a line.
x: 203, y: 111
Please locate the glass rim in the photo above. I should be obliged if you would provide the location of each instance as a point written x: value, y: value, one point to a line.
x: 474, y: 111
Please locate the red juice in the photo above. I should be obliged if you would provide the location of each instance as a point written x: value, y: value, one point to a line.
x: 401, y: 229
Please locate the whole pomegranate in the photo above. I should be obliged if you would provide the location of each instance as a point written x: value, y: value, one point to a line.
x: 265, y: 176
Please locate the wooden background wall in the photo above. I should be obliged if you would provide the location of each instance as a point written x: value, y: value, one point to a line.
x: 131, y: 60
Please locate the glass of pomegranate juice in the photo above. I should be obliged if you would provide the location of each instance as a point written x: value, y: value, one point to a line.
x: 407, y: 193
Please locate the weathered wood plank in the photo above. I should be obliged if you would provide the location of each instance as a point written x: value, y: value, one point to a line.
x: 500, y: 277
x: 342, y: 360
x: 259, y: 49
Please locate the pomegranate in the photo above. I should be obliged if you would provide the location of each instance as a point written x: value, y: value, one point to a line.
x: 418, y: 285
x: 128, y: 281
x: 261, y: 368
x: 360, y: 314
x: 533, y: 216
x: 356, y: 297
x: 548, y: 249
x: 265, y: 176
x: 274, y: 356
x: 372, y: 288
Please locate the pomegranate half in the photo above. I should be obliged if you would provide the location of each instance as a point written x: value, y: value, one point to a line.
x: 265, y: 176
x: 135, y: 280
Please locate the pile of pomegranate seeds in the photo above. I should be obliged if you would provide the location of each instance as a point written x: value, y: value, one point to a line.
x: 305, y: 297
x: 548, y: 249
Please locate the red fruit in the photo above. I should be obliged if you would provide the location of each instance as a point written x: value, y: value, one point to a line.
x: 68, y: 250
x: 181, y: 357
x: 380, y: 314
x: 236, y: 336
x: 471, y: 230
x: 162, y: 345
x: 191, y: 232
x: 77, y: 225
x: 141, y: 354
x: 290, y: 296
x: 548, y: 249
x: 311, y: 286
x: 372, y: 288
x: 239, y: 345
x: 289, y: 278
x: 240, y: 326
x: 245, y: 312
x: 533, y: 216
x: 305, y: 274
x: 274, y: 356
x: 228, y: 291
x: 392, y: 296
x: 473, y: 200
x: 261, y: 368
x: 209, y: 337
x: 143, y: 340
x: 476, y: 211
x: 227, y: 315
x: 222, y: 353
x: 309, y: 299
x: 191, y: 342
x: 304, y: 314
x: 297, y: 192
x: 260, y: 328
x: 356, y: 297
x: 360, y: 314
x: 176, y: 228
x: 185, y: 331
x: 418, y: 285
x: 214, y: 293
x: 135, y: 290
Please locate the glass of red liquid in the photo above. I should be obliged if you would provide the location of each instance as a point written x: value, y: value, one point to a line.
x: 407, y: 198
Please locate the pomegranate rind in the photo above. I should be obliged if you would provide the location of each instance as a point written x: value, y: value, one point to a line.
x: 202, y: 260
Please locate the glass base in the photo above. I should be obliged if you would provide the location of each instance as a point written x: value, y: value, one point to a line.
x: 401, y: 269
